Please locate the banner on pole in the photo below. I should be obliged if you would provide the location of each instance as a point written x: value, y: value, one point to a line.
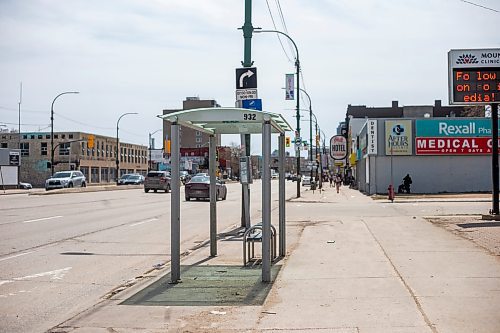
x: 289, y: 87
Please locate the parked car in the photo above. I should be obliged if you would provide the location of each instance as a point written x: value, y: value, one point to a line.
x: 306, y: 180
x: 199, y: 187
x: 63, y: 179
x: 157, y: 180
x: 25, y: 186
x: 131, y: 179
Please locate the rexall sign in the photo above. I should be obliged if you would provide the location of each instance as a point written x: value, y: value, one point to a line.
x: 453, y: 137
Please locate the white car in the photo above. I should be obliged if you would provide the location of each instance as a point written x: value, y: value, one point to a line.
x: 306, y: 180
x: 65, y: 179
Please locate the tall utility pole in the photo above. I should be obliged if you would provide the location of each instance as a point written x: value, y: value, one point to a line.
x: 297, y: 113
x: 19, y: 132
x: 245, y: 138
x: 494, y: 156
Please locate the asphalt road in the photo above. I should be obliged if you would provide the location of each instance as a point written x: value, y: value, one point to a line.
x: 61, y: 254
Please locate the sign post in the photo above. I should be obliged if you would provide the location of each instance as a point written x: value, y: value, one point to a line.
x: 474, y: 78
x: 246, y: 97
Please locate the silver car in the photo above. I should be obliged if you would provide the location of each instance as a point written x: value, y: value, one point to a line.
x: 65, y: 179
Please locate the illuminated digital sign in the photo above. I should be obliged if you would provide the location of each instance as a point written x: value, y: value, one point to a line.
x: 474, y: 76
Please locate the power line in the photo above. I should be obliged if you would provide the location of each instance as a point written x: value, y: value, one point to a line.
x: 98, y: 127
x: 481, y: 6
x: 3, y: 122
x: 282, y: 17
x: 24, y: 110
x: 81, y: 123
x: 275, y: 28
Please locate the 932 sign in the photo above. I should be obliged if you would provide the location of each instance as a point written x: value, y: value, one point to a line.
x: 249, y: 116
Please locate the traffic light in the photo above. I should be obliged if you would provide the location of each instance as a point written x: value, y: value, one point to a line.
x: 287, y: 141
x: 90, y: 141
x: 167, y: 146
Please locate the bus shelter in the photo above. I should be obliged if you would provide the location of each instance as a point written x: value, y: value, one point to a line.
x: 215, y: 121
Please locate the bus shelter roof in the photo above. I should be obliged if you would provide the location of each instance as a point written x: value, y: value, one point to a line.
x: 228, y: 120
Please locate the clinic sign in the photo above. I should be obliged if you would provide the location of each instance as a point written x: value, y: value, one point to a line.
x: 474, y: 76
x: 453, y: 137
x: 398, y: 135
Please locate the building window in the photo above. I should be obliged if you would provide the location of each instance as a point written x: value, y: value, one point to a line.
x: 64, y: 149
x: 3, y: 145
x: 32, y: 137
x: 43, y: 148
x: 40, y: 137
x: 25, y: 149
x: 70, y: 136
x: 63, y: 136
x: 198, y: 133
x: 25, y: 137
x: 198, y: 146
x: 198, y: 140
x: 56, y: 136
x: 47, y: 136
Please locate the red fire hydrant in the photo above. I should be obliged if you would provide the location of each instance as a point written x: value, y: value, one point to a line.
x: 391, y: 193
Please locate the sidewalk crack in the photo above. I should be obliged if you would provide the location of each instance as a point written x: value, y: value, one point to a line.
x: 401, y: 278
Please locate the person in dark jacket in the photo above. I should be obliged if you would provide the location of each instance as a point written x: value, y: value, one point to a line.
x: 407, y: 182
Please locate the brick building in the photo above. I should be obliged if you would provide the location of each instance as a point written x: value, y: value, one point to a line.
x: 71, y: 151
x: 190, y: 138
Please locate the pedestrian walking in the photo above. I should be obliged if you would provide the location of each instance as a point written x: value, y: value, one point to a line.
x: 330, y: 178
x: 338, y: 182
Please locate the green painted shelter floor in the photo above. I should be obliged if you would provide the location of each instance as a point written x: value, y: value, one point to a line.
x: 208, y: 286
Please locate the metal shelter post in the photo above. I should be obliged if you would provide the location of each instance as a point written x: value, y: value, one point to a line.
x: 213, y: 196
x: 281, y: 200
x: 245, y: 188
x: 266, y: 201
x: 175, y: 208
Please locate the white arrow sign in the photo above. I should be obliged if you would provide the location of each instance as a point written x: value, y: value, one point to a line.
x: 248, y: 73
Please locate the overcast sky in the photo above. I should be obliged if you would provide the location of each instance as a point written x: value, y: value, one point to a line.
x: 145, y: 56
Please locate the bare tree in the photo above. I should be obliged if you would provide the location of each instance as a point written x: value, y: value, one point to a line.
x: 473, y: 111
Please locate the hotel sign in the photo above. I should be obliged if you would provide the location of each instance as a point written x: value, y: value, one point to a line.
x: 453, y: 137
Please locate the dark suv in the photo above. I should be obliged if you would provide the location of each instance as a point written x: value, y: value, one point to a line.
x: 157, y: 180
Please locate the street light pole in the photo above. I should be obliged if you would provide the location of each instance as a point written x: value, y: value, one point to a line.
x: 117, y: 144
x: 310, y: 132
x: 52, y: 128
x: 151, y: 147
x: 297, y: 114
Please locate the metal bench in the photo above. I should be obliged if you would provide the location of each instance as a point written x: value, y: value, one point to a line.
x: 254, y: 235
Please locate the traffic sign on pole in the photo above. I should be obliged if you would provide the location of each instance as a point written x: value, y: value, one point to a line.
x: 246, y: 78
x: 253, y: 104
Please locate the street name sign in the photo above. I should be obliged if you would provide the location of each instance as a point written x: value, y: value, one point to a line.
x: 474, y: 76
x: 243, y: 94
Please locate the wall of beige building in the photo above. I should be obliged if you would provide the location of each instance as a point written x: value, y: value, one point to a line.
x: 98, y: 163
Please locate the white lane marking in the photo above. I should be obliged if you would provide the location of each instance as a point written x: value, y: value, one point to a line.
x: 17, y: 255
x: 142, y: 222
x: 5, y: 282
x: 43, y: 219
x: 58, y: 274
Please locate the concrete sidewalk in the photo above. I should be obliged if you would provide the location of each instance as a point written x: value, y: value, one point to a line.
x: 352, y: 265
